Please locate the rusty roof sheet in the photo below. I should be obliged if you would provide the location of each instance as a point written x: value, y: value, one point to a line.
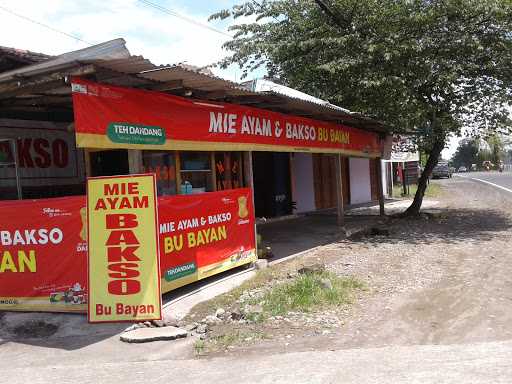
x: 23, y: 55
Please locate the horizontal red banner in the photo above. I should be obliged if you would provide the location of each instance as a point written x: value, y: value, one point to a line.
x: 108, y: 116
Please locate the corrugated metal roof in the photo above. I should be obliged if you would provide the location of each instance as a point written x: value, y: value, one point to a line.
x: 214, y: 88
x: 136, y: 71
x: 193, y: 78
x: 110, y: 50
x: 24, y: 55
x: 129, y: 65
x: 12, y: 58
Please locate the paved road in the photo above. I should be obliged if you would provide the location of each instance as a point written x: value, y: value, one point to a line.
x: 454, y: 364
x: 502, y: 179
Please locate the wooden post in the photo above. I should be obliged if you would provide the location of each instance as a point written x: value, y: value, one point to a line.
x: 214, y: 171
x: 249, y: 183
x: 339, y: 192
x: 178, y: 172
x: 379, y: 185
x: 14, y: 149
x: 135, y: 161
x: 87, y: 162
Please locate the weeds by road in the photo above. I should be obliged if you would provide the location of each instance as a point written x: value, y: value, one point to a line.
x: 310, y: 291
x: 270, y: 305
x: 433, y: 190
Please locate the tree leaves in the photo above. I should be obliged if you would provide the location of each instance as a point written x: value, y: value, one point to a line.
x: 397, y: 60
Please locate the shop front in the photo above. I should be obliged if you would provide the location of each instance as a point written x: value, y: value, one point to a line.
x: 209, y: 157
x: 195, y: 147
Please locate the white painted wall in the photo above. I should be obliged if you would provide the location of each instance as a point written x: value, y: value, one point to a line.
x: 360, y: 189
x: 303, y: 188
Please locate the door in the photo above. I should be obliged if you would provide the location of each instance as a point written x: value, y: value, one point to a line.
x: 272, y: 185
x: 109, y: 163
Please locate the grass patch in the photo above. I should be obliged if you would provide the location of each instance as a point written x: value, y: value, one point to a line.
x: 308, y: 292
x: 232, y: 337
x: 200, y: 347
x: 433, y: 190
x: 288, y: 293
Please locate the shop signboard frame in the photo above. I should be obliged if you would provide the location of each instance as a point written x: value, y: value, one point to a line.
x: 111, y: 117
x: 123, y: 260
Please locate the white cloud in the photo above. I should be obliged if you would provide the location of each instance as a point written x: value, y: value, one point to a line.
x: 160, y: 37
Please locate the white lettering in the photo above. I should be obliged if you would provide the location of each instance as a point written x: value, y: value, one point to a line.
x: 31, y: 236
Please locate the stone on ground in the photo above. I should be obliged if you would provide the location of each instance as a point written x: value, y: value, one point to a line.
x: 144, y: 335
x: 312, y: 269
x: 261, y: 264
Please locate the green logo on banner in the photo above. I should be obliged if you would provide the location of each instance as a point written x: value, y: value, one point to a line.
x: 135, y: 134
x: 180, y: 271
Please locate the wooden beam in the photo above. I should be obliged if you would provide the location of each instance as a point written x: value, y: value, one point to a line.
x: 339, y: 192
x: 214, y: 171
x: 177, y: 158
x: 38, y: 101
x: 210, y: 95
x: 168, y: 86
x: 38, y: 84
x: 379, y: 185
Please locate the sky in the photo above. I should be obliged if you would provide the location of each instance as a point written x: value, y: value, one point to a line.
x: 152, y: 33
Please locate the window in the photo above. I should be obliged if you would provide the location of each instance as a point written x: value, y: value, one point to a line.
x: 228, y: 169
x: 196, y: 172
x: 163, y: 164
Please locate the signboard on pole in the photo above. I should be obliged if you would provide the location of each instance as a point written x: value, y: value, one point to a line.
x: 123, y: 254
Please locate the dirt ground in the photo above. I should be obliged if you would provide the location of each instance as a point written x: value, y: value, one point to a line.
x: 442, y: 279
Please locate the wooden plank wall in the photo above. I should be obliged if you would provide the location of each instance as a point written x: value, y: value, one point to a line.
x: 324, y: 180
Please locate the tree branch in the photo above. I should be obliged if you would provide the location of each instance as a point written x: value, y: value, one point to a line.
x: 331, y: 14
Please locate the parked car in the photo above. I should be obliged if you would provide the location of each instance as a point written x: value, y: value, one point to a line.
x: 441, y: 170
x: 462, y: 169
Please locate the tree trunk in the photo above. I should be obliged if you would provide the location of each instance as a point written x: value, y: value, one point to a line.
x: 433, y: 158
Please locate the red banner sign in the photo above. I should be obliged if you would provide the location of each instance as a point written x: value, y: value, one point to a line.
x: 115, y: 117
x: 43, y: 254
x: 204, y: 234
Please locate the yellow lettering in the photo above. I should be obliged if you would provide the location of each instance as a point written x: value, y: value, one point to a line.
x: 214, y: 237
x: 7, y: 263
x: 201, y: 238
x: 168, y: 245
x: 29, y: 262
x: 222, y: 232
x: 191, y: 239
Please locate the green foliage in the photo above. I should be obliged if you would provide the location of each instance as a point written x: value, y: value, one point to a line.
x: 307, y: 292
x: 428, y: 68
x: 199, y: 347
x: 399, y: 60
x: 433, y: 190
x: 496, y: 148
x: 476, y: 151
x: 467, y: 153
